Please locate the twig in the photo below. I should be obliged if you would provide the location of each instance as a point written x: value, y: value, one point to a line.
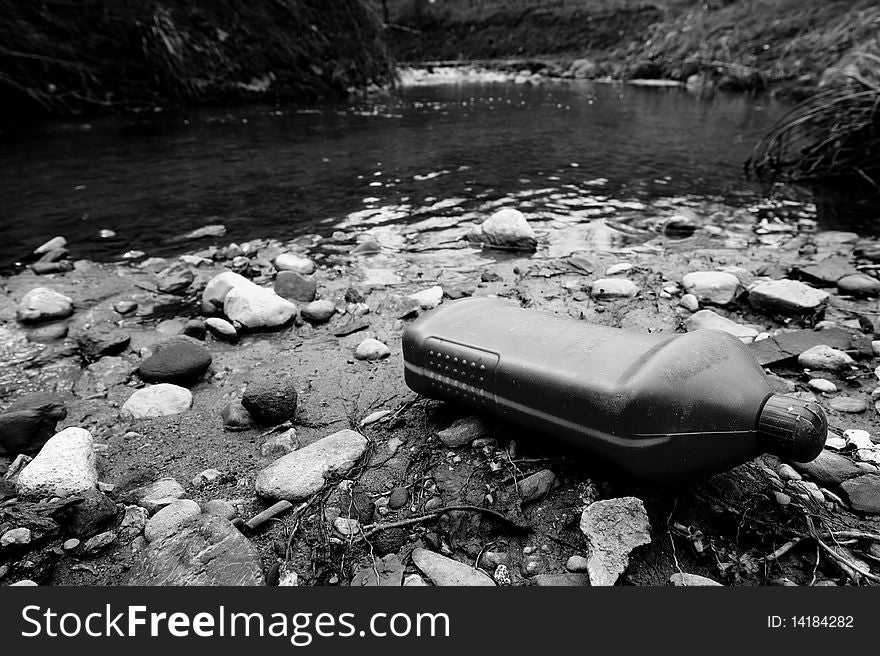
x: 784, y: 549
x: 261, y: 518
x: 369, y: 531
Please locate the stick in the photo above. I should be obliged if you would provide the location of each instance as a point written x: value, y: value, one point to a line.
x: 261, y: 518
x: 375, y: 528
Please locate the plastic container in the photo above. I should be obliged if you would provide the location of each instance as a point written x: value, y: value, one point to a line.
x: 661, y: 406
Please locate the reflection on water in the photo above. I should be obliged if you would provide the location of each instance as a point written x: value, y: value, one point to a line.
x: 581, y: 160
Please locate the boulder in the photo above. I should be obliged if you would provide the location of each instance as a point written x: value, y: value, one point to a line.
x: 159, y: 400
x: 271, y: 398
x: 180, y: 360
x: 445, y: 571
x: 614, y: 528
x: 64, y: 467
x: 507, y: 229
x: 255, y: 307
x: 295, y: 286
x: 44, y: 304
x: 301, y: 473
x: 787, y: 297
x: 713, y: 287
x: 205, y: 551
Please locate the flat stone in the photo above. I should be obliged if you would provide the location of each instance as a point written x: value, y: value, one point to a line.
x: 825, y: 358
x: 272, y: 398
x: 295, y: 263
x: 577, y: 564
x: 101, y: 376
x: 99, y: 341
x: 97, y: 543
x: 786, y: 296
x: 220, y: 508
x: 64, y: 467
x: 174, y: 280
x: 445, y: 571
x: 44, y: 304
x: 829, y: 468
x: 859, y: 284
x: 613, y: 288
x: 318, y: 311
x: 713, y: 287
x: 134, y: 520
x: 566, y: 580
x: 157, y: 495
x: 207, y: 550
x: 864, y: 493
x: 279, y: 445
x: 371, y: 349
x: 822, y: 385
x: 682, y: 579
x: 48, y: 334
x: 506, y: 229
x: 51, y: 245
x: 614, y: 528
x: 462, y: 431
x: 847, y: 404
x: 160, y: 400
x: 295, y: 286
x: 125, y: 307
x: 180, y: 360
x: 709, y: 320
x: 300, y: 474
x: 389, y: 570
x: 827, y: 272
x: 221, y: 328
x: 791, y: 344
x: 537, y: 486
x: 169, y: 519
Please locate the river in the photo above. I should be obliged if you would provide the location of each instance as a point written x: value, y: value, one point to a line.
x: 426, y: 156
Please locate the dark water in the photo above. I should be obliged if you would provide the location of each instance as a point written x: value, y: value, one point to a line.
x: 451, y: 150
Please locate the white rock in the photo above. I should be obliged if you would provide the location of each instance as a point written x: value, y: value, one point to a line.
x: 207, y: 476
x: 159, y: 400
x: 44, y: 304
x: 613, y: 528
x: 429, y: 298
x: 786, y: 296
x: 507, y: 228
x: 371, y: 349
x: 709, y: 320
x: 445, y: 571
x: 257, y: 307
x: 301, y: 473
x: 682, y: 579
x: 346, y: 526
x: 318, y: 311
x: 689, y: 302
x: 25, y: 583
x: 221, y: 328
x: 715, y: 287
x: 611, y: 288
x: 616, y: 269
x: 824, y: 358
x: 134, y: 521
x: 15, y: 536
x: 414, y: 581
x: 219, y: 286
x: 292, y: 262
x: 822, y: 385
x: 861, y: 439
x: 170, y: 518
x: 64, y: 466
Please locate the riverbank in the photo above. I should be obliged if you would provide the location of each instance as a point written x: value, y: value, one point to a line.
x: 63, y: 59
x: 336, y: 365
x: 785, y: 45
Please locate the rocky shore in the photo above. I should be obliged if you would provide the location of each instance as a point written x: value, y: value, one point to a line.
x: 237, y: 414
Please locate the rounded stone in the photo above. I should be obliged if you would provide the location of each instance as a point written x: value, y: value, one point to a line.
x: 271, y: 398
x: 371, y: 349
x: 295, y: 286
x: 221, y: 328
x: 318, y: 311
x: 181, y: 360
x: 399, y: 498
x: 847, y: 404
x: 859, y: 284
x: 43, y: 304
x: 236, y: 417
x: 159, y: 400
x: 296, y: 263
x: 65, y: 466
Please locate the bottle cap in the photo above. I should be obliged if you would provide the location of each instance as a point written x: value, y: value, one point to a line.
x: 792, y: 429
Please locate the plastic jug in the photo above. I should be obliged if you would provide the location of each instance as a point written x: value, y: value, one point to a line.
x: 661, y: 406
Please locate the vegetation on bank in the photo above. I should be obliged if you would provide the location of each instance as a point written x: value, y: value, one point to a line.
x: 61, y: 57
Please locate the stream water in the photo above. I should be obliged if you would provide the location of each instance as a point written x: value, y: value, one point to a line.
x: 427, y: 158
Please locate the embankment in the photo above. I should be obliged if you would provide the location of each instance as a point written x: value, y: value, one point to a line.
x: 65, y: 58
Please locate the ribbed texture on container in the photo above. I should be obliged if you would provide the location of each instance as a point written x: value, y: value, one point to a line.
x: 791, y: 428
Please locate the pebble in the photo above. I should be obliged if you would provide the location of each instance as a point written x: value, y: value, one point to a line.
x: 272, y: 398
x: 507, y: 228
x: 346, y: 526
x: 613, y: 528
x: 788, y: 473
x: 616, y: 269
x: 847, y: 404
x: 95, y: 544
x: 44, y: 304
x: 65, y: 466
x: 160, y: 400
x: 689, y: 302
x: 825, y: 358
x: 828, y: 468
x: 445, y: 571
x: 295, y: 286
x: 180, y: 361
x: 434, y: 503
x: 295, y: 263
x: 863, y: 493
x: 822, y: 385
x: 714, y: 287
x: 221, y: 328
x: 429, y: 298
x: 279, y: 445
x: 157, y: 495
x: 462, y: 431
x: 859, y: 284
x: 537, y: 486
x: 169, y: 519
x: 682, y: 579
x: 577, y: 564
x: 613, y: 288
x: 219, y: 508
x: 134, y: 520
x: 399, y: 498
x: 501, y: 576
x: 206, y: 477
x: 15, y: 536
x: 371, y: 349
x: 300, y: 474
x: 788, y: 296
x: 255, y: 307
x: 218, y: 287
x: 236, y: 417
x: 71, y: 545
x: 318, y: 311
